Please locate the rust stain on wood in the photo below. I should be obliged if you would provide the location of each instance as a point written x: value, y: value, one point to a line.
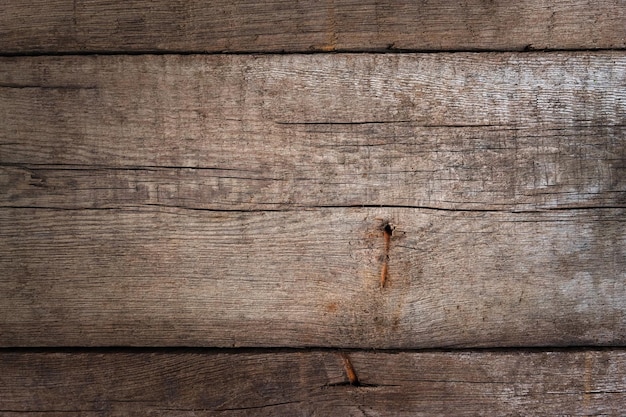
x: 350, y: 372
x: 331, y: 42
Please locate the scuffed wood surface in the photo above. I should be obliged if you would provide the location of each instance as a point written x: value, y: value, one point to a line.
x: 69, y: 26
x: 519, y: 132
x: 178, y: 277
x: 196, y: 383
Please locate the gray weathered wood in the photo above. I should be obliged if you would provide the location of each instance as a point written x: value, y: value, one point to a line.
x: 196, y: 383
x: 43, y: 26
x: 455, y: 131
x: 178, y: 277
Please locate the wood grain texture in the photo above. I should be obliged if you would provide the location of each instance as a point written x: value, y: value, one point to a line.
x: 242, y: 200
x: 195, y: 383
x: 71, y: 26
x: 513, y: 132
x: 330, y: 200
x: 177, y: 277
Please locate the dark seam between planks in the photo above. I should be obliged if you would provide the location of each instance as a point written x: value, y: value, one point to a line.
x: 382, y: 51
x: 310, y: 349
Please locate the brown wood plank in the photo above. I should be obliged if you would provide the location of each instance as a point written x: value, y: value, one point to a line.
x: 70, y: 26
x: 179, y: 277
x: 196, y: 383
x: 197, y: 167
x: 457, y: 131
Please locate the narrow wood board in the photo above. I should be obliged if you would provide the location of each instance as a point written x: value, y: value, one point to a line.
x: 513, y: 132
x: 71, y: 26
x: 340, y: 277
x: 196, y: 383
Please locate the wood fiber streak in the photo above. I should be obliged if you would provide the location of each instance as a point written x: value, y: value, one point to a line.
x: 176, y: 277
x: 517, y: 132
x: 88, y: 26
x: 312, y: 383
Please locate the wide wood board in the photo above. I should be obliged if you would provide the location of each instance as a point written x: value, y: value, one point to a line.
x: 365, y: 201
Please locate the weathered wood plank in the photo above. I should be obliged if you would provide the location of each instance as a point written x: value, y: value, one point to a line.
x: 178, y: 277
x: 196, y: 383
x: 455, y: 131
x: 243, y: 135
x: 69, y: 26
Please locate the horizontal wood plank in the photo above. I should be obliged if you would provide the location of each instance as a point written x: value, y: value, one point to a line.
x: 196, y: 383
x: 517, y: 132
x: 360, y: 278
x: 214, y: 200
x: 70, y: 26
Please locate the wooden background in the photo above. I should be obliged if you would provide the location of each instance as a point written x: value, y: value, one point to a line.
x: 373, y: 208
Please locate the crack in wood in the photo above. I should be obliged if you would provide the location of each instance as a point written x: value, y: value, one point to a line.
x: 298, y: 208
x: 415, y: 123
x: 256, y: 407
x: 48, y: 87
x: 384, y: 271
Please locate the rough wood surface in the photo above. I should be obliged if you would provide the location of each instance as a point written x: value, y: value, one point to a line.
x: 196, y: 383
x: 243, y: 200
x: 336, y: 200
x: 69, y: 26
x: 178, y: 277
x: 515, y: 132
